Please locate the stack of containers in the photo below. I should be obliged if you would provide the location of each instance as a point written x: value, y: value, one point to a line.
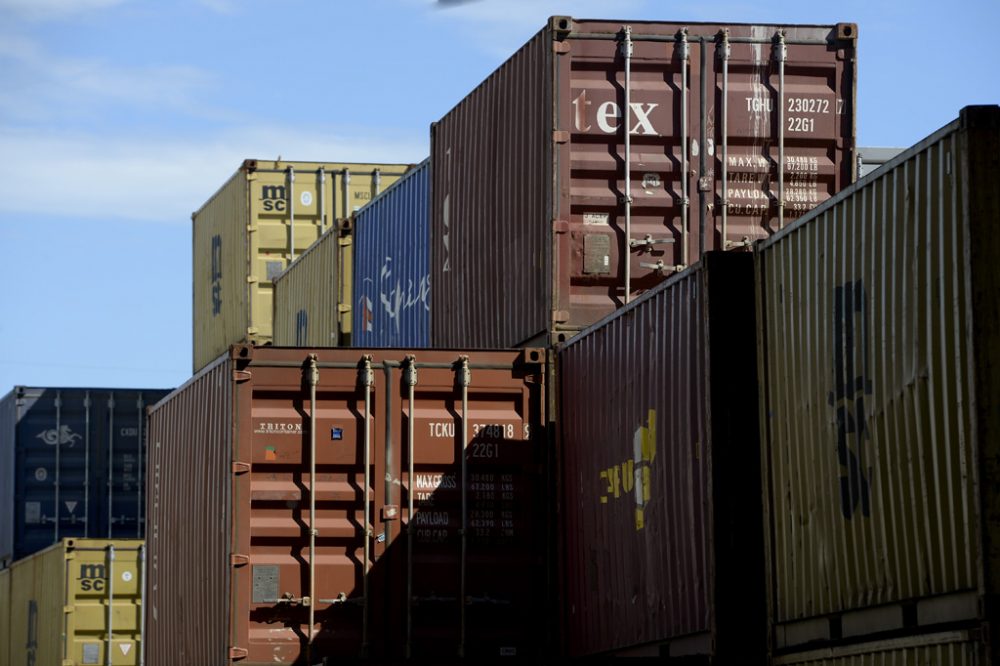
x: 879, y: 348
x: 551, y: 206
x: 390, y: 279
x: 264, y: 216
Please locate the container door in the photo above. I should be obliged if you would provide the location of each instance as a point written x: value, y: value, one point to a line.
x: 54, y: 445
x: 120, y: 466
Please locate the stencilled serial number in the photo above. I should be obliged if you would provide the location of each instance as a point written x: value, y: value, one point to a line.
x: 808, y: 105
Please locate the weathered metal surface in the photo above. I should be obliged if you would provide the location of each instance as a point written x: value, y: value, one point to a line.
x: 529, y: 167
x: 662, y: 532
x: 231, y: 463
x: 392, y: 249
x: 76, y: 602
x: 879, y: 335
x: 263, y: 217
x: 72, y: 462
x: 954, y: 648
x: 309, y: 294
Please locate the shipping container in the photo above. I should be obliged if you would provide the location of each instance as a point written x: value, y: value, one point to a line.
x: 532, y: 209
x: 312, y: 296
x: 76, y: 602
x: 663, y: 535
x: 870, y: 159
x: 948, y: 648
x: 249, y: 565
x: 391, y: 274
x: 71, y: 465
x: 263, y: 217
x: 879, y: 356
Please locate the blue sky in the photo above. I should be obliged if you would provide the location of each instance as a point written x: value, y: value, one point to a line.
x: 118, y: 118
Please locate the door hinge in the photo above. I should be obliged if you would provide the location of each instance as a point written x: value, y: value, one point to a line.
x: 560, y: 47
x: 240, y: 467
x: 238, y: 559
x: 560, y: 226
x: 237, y: 653
x: 241, y: 376
x: 560, y: 136
x: 343, y: 307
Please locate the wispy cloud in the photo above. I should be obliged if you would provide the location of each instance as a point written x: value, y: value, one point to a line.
x: 161, y: 179
x: 54, y: 9
x: 220, y: 6
x: 41, y: 85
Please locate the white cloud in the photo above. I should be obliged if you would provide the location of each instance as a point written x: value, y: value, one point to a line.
x: 161, y: 179
x: 54, y: 9
x: 41, y: 85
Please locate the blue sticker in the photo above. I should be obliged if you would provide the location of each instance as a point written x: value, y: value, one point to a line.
x: 336, y: 433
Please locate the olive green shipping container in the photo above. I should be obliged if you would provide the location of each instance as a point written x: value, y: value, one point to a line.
x: 879, y: 317
x: 950, y: 648
x: 312, y: 297
x: 268, y: 213
x: 75, y: 602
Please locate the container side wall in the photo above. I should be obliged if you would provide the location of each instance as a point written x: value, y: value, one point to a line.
x: 953, y: 648
x: 8, y: 425
x: 220, y: 255
x: 491, y: 216
x: 868, y: 409
x: 635, y: 453
x: 392, y: 242
x: 6, y: 613
x: 189, y: 471
x: 306, y: 296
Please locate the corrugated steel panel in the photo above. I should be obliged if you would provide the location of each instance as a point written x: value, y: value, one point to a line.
x: 954, y: 648
x: 662, y: 533
x: 268, y: 213
x: 529, y: 178
x: 74, y: 465
x: 229, y: 465
x: 880, y: 346
x: 307, y: 296
x: 77, y: 602
x: 392, y: 247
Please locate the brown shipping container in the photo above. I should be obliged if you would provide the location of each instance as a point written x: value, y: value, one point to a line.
x: 879, y: 339
x: 232, y: 570
x: 529, y: 213
x: 662, y: 531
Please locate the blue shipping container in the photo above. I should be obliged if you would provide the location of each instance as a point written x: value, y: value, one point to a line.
x: 391, y: 265
x: 72, y: 464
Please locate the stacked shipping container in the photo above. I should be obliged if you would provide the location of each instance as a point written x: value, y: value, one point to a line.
x: 345, y: 502
x: 538, y: 228
x: 879, y: 349
x: 71, y: 465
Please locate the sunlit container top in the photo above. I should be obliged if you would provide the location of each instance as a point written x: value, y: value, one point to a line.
x: 264, y: 216
x: 880, y: 350
x: 392, y: 257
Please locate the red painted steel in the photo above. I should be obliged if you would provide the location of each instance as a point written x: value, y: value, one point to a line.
x: 230, y: 511
x: 528, y: 213
x: 662, y: 536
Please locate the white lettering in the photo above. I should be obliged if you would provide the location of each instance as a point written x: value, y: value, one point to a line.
x: 580, y: 105
x: 605, y: 112
x: 642, y: 112
x: 442, y: 429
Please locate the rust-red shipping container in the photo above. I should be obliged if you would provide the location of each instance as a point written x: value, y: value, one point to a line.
x: 254, y: 562
x: 532, y: 208
x: 662, y: 532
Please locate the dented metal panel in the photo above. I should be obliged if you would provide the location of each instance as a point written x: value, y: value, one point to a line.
x: 249, y: 576
x: 76, y: 602
x: 265, y: 215
x: 392, y: 243
x: 879, y: 354
x: 662, y: 540
x: 73, y: 462
x: 529, y: 167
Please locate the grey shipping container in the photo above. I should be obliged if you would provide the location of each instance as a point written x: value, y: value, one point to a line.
x: 880, y: 360
x: 872, y: 158
x: 71, y: 465
x: 391, y: 265
x: 661, y: 521
x: 539, y: 230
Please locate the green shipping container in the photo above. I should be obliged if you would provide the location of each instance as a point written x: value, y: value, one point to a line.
x: 268, y: 213
x: 76, y: 602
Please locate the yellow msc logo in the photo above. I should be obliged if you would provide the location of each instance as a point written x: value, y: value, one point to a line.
x: 634, y: 475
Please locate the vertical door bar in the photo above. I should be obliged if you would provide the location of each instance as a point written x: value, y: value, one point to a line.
x: 321, y: 200
x: 111, y: 604
x: 411, y: 382
x: 685, y: 199
x: 139, y: 494
x: 368, y: 380
x: 702, y: 153
x: 58, y: 404
x: 313, y: 381
x: 111, y: 461
x: 142, y: 604
x: 627, y: 112
x: 291, y: 213
x: 465, y: 379
x: 781, y: 54
x: 86, y: 465
x: 725, y: 52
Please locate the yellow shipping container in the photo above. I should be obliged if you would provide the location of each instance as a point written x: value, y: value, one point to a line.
x: 246, y: 234
x: 74, y: 603
x: 312, y: 297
